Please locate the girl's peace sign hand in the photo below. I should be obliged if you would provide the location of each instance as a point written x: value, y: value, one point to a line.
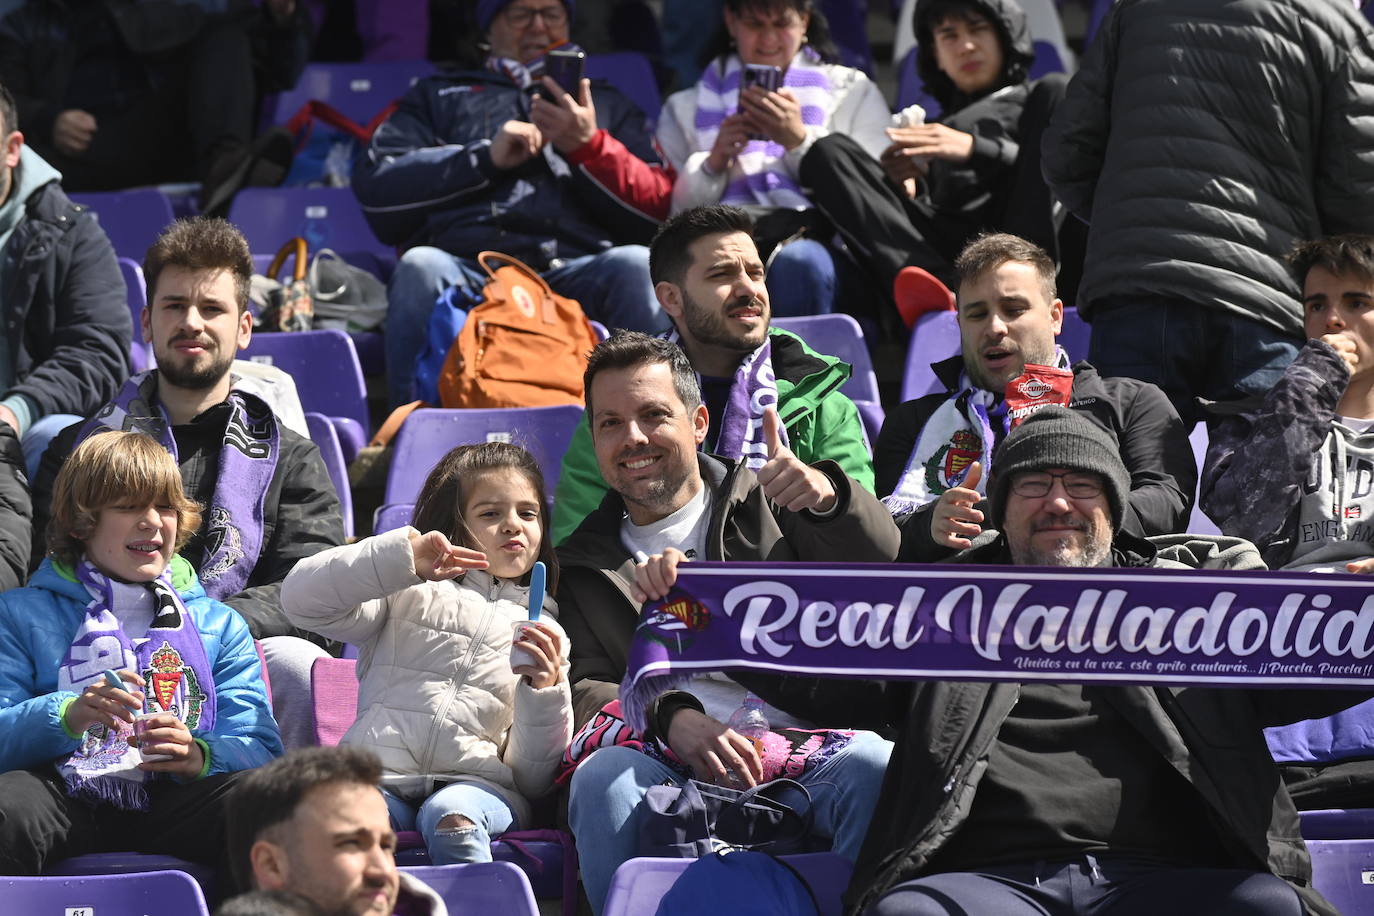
x: 437, y: 559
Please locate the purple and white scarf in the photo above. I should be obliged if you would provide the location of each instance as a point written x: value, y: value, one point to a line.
x: 759, y: 175
x: 234, y: 519
x: 172, y: 660
x: 754, y: 389
x: 957, y: 434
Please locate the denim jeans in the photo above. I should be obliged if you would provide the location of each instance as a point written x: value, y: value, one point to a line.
x: 608, y: 787
x: 36, y: 438
x: 489, y: 813
x: 612, y: 287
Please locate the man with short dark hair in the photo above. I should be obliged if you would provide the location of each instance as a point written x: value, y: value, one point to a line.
x: 268, y: 498
x: 1070, y: 799
x: 933, y: 452
x: 63, y: 313
x: 668, y: 504
x: 314, y: 822
x: 709, y: 279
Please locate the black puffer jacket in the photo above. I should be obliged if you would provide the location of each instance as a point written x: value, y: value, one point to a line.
x: 16, y: 512
x: 1202, y: 138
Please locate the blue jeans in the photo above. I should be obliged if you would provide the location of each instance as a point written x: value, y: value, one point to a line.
x: 1112, y: 885
x: 489, y: 813
x: 38, y: 435
x: 612, y: 287
x: 1189, y: 349
x: 608, y: 787
x: 801, y: 279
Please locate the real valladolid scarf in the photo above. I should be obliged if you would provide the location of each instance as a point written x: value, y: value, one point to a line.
x: 171, y: 660
x: 754, y: 389
x: 235, y: 517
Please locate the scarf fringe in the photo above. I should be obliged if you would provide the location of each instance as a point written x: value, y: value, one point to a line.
x: 126, y: 792
x: 635, y: 701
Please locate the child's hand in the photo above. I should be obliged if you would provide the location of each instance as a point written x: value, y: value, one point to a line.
x: 543, y: 644
x: 101, y: 703
x: 166, y: 734
x: 436, y: 559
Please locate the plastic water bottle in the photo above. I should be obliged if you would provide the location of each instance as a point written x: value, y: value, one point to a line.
x: 749, y: 722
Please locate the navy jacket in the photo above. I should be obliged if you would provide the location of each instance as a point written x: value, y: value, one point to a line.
x: 428, y: 179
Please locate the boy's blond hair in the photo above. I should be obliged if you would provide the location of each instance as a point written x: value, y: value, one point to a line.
x: 114, y: 468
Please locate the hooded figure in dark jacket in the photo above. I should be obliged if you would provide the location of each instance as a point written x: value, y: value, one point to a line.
x: 940, y: 183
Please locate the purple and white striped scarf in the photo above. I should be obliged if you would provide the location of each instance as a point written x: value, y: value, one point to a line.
x: 754, y: 389
x: 171, y: 659
x: 758, y: 175
x: 234, y: 519
x: 957, y: 434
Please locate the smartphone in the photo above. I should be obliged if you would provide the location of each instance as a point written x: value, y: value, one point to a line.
x: 565, y: 69
x: 769, y: 78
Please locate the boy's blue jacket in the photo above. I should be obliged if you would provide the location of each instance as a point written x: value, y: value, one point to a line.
x: 37, y: 625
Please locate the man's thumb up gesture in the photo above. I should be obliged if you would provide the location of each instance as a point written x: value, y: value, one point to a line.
x: 785, y: 479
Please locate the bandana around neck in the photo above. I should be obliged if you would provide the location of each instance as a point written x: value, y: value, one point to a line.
x: 171, y: 658
x: 754, y: 388
x: 235, y: 517
x: 758, y: 175
x: 958, y: 433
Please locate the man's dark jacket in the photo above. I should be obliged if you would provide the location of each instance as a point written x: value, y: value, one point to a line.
x: 428, y: 178
x: 16, y: 512
x: 596, y: 571
x: 946, y: 730
x: 1200, y: 139
x: 1153, y: 441
x: 64, y: 308
x: 301, y: 513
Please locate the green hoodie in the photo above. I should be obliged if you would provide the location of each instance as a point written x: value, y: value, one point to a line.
x: 821, y: 423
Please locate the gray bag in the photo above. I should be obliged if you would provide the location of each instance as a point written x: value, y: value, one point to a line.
x: 345, y: 297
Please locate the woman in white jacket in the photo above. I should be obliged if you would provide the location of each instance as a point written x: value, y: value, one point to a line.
x: 745, y: 148
x: 465, y: 739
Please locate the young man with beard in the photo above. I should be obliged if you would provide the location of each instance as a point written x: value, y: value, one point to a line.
x: 670, y: 503
x: 267, y: 497
x: 932, y: 453
x: 709, y: 279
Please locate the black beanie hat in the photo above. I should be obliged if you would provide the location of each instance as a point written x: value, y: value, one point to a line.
x: 1057, y: 437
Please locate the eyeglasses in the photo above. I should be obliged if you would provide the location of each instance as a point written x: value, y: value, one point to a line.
x: 1077, y: 484
x: 521, y: 16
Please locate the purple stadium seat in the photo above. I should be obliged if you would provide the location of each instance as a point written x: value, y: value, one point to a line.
x: 1338, y: 824
x: 936, y: 337
x: 140, y: 352
x: 328, y: 378
x: 849, y: 28
x: 324, y: 217
x: 324, y: 435
x: 391, y: 516
x: 479, y: 888
x: 631, y: 73
x: 599, y: 330
x: 429, y: 433
x: 334, y: 698
x: 132, y: 219
x: 1099, y: 11
x: 359, y: 91
x: 1343, y: 870
x: 147, y: 893
x: 639, y: 884
x: 840, y: 336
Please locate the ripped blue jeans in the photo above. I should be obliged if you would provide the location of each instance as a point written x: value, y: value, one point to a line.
x: 489, y: 813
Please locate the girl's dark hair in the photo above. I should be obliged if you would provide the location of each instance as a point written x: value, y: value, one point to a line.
x: 440, y: 506
x: 817, y: 30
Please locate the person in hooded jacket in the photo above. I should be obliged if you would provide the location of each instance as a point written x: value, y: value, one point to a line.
x: 938, y: 184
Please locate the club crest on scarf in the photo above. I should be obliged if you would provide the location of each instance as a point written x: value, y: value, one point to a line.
x: 952, y: 461
x: 175, y: 687
x: 223, y: 545
x: 676, y: 623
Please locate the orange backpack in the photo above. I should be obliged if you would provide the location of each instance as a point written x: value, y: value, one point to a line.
x: 523, y: 345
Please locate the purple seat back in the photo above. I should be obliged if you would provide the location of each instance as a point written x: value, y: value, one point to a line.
x: 325, y: 368
x: 132, y: 219
x: 359, y: 91
x: 839, y: 336
x: 639, y: 884
x: 429, y: 433
x: 395, y: 515
x: 323, y: 434
x: 479, y: 888
x: 1337, y: 824
x: 1343, y: 870
x: 333, y: 697
x: 324, y: 217
x: 140, y: 352
x: 123, y: 884
x: 631, y: 73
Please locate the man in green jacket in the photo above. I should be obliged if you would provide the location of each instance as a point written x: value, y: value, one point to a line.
x: 709, y: 279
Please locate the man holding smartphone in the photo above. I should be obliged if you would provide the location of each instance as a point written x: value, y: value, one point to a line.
x: 504, y: 158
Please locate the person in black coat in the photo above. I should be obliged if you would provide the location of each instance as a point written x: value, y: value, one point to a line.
x: 16, y: 513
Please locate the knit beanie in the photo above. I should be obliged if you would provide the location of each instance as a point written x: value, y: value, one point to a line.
x: 1057, y: 437
x: 487, y: 10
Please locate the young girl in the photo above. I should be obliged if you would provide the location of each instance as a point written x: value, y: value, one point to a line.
x: 114, y: 596
x: 465, y: 739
